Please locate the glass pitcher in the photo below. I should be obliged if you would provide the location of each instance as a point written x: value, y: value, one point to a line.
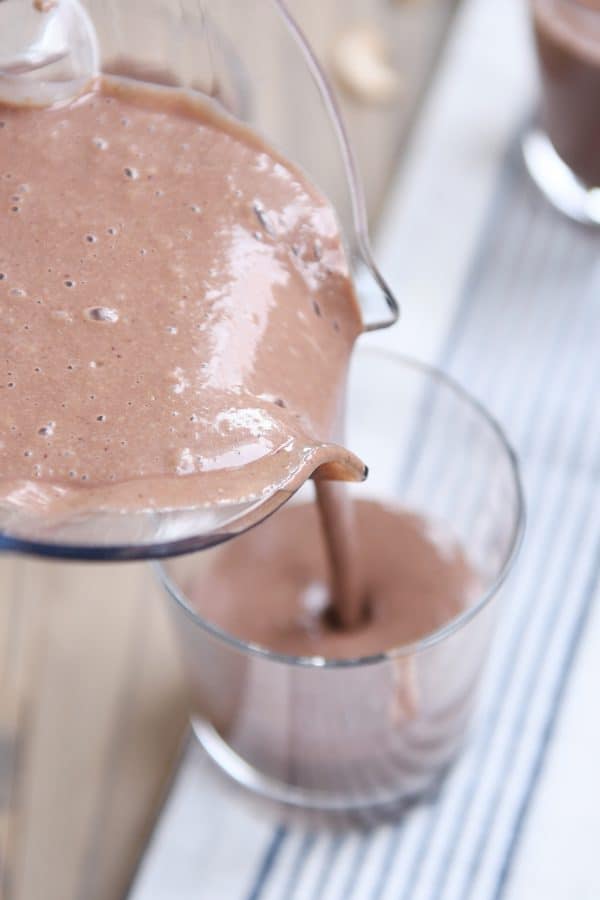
x: 49, y: 49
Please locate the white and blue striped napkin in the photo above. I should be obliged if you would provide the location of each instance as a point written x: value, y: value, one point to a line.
x: 505, y: 294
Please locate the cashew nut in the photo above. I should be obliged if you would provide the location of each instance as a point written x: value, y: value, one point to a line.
x: 360, y: 61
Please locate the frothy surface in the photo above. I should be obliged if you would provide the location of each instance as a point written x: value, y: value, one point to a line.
x: 176, y: 310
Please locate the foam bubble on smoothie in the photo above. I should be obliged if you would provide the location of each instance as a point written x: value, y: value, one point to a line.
x: 102, y: 314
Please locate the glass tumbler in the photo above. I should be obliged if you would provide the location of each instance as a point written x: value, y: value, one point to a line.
x: 562, y: 150
x: 364, y: 733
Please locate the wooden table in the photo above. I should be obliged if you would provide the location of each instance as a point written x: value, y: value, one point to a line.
x: 92, y: 708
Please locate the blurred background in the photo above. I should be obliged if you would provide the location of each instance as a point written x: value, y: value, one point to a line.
x: 380, y: 56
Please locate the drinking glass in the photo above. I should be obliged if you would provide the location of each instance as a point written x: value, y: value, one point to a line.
x: 562, y: 149
x: 346, y: 734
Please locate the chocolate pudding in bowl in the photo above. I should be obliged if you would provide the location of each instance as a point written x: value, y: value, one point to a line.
x: 320, y: 702
x: 563, y: 152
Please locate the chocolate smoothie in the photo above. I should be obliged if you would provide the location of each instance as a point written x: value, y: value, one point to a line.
x: 347, y: 733
x: 270, y: 587
x: 176, y: 307
x: 568, y: 42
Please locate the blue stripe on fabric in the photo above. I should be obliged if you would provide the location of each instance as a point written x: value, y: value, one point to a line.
x: 427, y: 836
x: 550, y: 725
x: 503, y: 680
x: 520, y: 629
x: 547, y: 628
x: 306, y: 845
x: 520, y: 720
x: 471, y: 787
x: 394, y: 845
x: 268, y: 861
x: 488, y: 726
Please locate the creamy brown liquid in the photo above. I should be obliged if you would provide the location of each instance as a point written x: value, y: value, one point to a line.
x: 361, y: 733
x: 568, y: 41
x: 270, y: 587
x: 348, y: 605
x: 177, y: 315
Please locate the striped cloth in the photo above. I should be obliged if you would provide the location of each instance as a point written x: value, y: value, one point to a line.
x: 505, y: 294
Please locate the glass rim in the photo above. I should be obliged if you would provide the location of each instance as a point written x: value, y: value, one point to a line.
x: 439, y: 634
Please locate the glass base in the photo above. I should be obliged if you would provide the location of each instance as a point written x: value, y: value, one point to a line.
x: 381, y: 805
x: 557, y: 182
